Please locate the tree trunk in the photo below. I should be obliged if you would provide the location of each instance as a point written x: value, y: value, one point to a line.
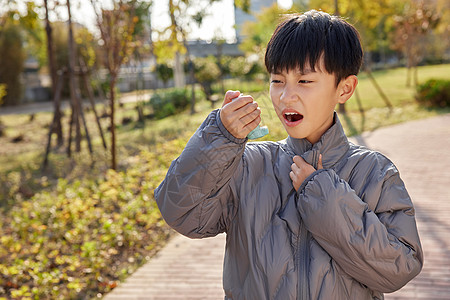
x: 408, y: 76
x: 219, y: 45
x: 416, y: 75
x: 69, y: 143
x: 175, y: 29
x: 192, y: 92
x: 379, y: 90
x: 191, y: 76
x: 57, y: 128
x: 342, y: 108
x: 179, y: 78
x: 408, y: 66
x: 113, y: 126
x: 73, y: 96
x: 57, y: 96
x: 90, y: 93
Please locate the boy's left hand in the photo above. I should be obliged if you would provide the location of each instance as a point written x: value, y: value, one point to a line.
x: 300, y: 170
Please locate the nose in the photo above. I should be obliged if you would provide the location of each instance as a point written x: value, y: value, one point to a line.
x: 288, y: 94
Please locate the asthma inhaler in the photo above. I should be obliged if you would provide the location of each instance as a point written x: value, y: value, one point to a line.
x: 258, y: 132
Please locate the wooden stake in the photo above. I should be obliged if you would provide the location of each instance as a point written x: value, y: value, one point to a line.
x: 84, y: 73
x: 56, y: 100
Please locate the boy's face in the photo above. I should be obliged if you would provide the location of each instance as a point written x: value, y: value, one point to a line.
x: 305, y: 102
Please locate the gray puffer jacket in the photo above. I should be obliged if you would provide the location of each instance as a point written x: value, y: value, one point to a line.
x: 348, y: 233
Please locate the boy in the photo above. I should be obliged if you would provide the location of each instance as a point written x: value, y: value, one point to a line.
x: 310, y: 217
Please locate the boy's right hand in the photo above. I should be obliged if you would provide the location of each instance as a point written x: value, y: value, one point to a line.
x: 240, y: 116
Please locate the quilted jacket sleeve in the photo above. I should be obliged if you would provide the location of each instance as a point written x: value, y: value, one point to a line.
x: 380, y: 248
x: 197, y: 197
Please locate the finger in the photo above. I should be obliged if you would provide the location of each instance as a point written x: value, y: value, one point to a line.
x: 239, y: 107
x: 252, y: 125
x: 231, y: 112
x: 299, y: 160
x: 319, y: 164
x: 246, y: 109
x: 292, y: 175
x: 229, y: 96
x: 250, y: 117
x: 250, y: 107
x: 242, y: 101
x: 295, y: 168
x: 244, y: 116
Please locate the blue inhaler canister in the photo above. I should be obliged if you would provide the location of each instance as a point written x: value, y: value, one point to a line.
x: 258, y: 132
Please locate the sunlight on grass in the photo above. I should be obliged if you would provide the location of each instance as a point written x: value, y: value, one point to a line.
x: 393, y: 84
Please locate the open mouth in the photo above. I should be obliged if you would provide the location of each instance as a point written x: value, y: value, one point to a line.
x: 292, y: 116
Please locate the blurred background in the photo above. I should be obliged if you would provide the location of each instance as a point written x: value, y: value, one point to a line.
x: 98, y: 97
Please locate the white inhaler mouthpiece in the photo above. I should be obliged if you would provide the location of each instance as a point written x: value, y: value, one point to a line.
x: 258, y: 132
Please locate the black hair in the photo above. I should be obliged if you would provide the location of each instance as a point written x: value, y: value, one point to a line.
x: 304, y: 38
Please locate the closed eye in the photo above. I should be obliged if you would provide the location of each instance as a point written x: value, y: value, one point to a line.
x: 275, y: 81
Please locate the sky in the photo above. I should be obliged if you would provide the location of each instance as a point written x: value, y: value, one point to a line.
x: 218, y: 23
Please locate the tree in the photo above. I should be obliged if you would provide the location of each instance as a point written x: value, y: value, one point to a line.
x: 12, y: 62
x: 174, y: 41
x: 15, y: 29
x: 75, y: 67
x: 75, y: 97
x: 116, y: 26
x: 257, y: 34
x: 243, y: 67
x: 33, y: 32
x: 52, y: 69
x: 411, y: 31
x: 206, y: 72
x: 177, y: 32
x: 439, y: 39
x: 143, y: 46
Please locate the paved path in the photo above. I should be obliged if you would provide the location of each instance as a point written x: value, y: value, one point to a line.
x: 47, y: 106
x: 192, y: 269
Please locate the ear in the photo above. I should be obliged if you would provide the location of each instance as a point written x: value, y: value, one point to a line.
x: 346, y: 88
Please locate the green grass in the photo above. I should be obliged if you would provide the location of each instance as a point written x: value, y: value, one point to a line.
x: 56, y: 225
x: 376, y: 113
x: 393, y: 84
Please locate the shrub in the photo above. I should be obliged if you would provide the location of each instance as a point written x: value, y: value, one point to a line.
x: 164, y: 72
x: 169, y: 103
x: 207, y: 72
x: 434, y: 92
x: 241, y: 67
x: 79, y: 240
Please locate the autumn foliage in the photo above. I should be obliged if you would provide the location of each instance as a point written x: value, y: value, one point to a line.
x: 82, y: 238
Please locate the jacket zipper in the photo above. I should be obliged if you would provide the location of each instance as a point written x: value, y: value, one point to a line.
x: 303, y: 263
x: 303, y: 250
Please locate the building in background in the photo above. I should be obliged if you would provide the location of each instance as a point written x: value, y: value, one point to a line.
x: 240, y: 17
x: 35, y: 86
x: 137, y: 75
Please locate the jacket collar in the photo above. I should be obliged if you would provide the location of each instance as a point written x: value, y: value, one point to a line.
x: 332, y: 145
